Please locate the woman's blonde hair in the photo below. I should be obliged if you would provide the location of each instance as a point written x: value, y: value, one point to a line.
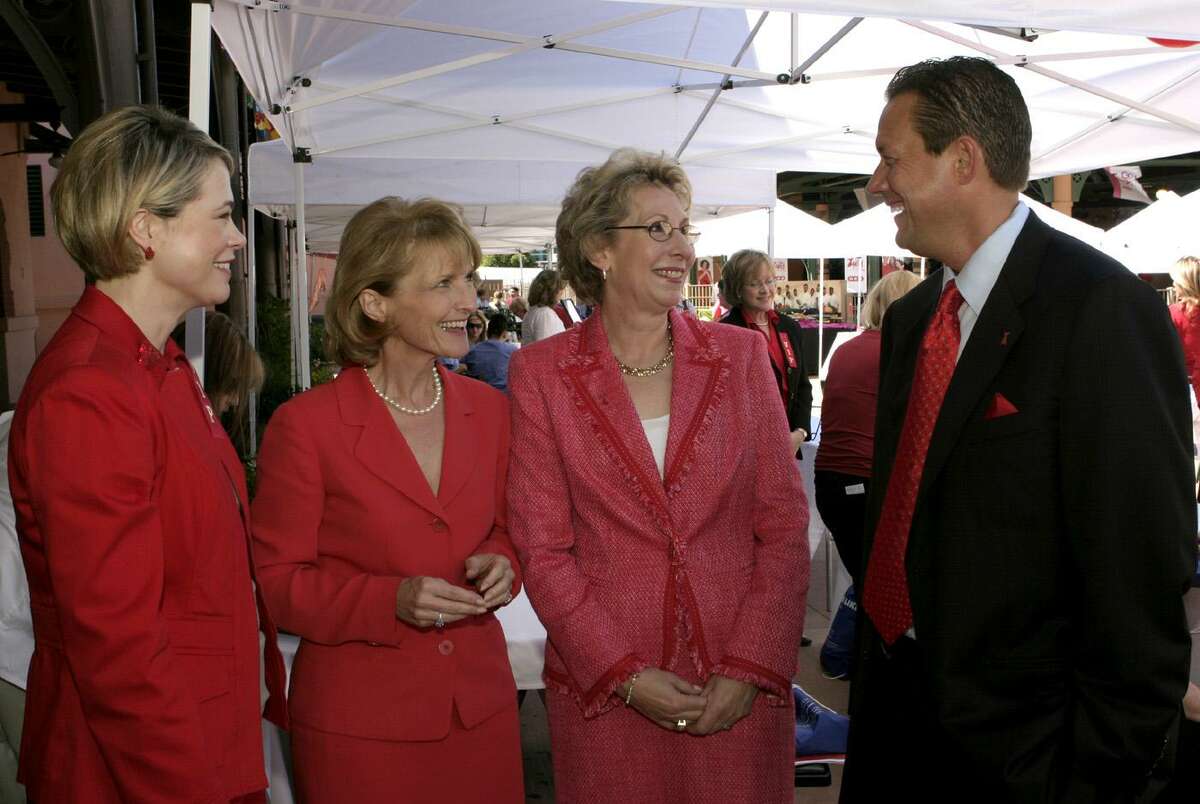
x: 737, y: 272
x: 544, y: 290
x: 379, y: 247
x: 137, y: 157
x: 1185, y: 273
x: 886, y: 291
x: 598, y: 199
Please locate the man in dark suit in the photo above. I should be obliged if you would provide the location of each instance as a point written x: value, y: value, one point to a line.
x: 1031, y: 519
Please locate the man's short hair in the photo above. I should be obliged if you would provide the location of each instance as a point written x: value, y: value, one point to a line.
x: 972, y: 96
x: 497, y: 326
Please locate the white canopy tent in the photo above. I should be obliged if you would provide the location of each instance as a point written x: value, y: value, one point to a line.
x: 566, y: 81
x: 511, y: 203
x: 781, y: 231
x: 1152, y: 240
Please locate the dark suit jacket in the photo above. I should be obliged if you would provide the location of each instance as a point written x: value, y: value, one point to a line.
x: 1050, y: 547
x: 799, y: 396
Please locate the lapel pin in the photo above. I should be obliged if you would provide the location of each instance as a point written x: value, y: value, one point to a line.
x: 1004, y: 338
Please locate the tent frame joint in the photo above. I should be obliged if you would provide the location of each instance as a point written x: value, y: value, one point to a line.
x: 302, y: 156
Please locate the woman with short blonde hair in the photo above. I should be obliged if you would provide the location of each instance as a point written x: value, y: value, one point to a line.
x: 596, y: 203
x: 128, y: 494
x: 381, y: 531
x: 379, y: 247
x: 659, y: 514
x: 886, y: 290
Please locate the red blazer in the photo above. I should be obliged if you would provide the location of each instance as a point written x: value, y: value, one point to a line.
x: 626, y: 569
x: 341, y: 517
x: 144, y: 683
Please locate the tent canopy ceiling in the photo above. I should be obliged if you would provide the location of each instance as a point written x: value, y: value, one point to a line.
x: 510, y: 204
x: 569, y: 80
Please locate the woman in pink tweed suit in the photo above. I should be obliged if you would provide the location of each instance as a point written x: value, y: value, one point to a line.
x: 659, y: 516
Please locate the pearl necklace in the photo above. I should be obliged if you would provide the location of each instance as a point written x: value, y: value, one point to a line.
x: 668, y: 358
x: 437, y: 396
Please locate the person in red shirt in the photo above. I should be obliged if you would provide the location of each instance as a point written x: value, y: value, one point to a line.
x: 843, y: 464
x: 131, y: 503
x: 1185, y: 314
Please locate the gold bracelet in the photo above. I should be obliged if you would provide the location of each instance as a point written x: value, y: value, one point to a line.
x: 629, y: 693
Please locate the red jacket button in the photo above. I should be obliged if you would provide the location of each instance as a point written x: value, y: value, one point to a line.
x: 439, y: 526
x: 445, y: 647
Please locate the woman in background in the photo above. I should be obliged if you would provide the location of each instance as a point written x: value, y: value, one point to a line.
x: 381, y: 532
x: 541, y: 321
x: 749, y: 283
x: 233, y: 371
x: 843, y: 464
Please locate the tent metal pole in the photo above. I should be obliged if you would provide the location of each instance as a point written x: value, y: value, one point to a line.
x: 300, y: 286
x: 798, y: 71
x: 522, y: 44
x: 717, y: 92
x: 795, y: 20
x: 771, y: 232
x: 1112, y: 117
x: 199, y: 71
x: 251, y: 321
x: 760, y: 145
x: 821, y: 313
x: 1084, y: 86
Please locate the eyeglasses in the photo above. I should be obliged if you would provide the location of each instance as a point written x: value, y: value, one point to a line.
x: 762, y: 284
x: 662, y: 230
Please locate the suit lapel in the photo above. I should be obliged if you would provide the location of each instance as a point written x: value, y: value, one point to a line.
x: 380, y: 446
x: 457, y: 448
x: 907, y: 322
x: 996, y: 331
x: 591, y: 373
x: 698, y: 382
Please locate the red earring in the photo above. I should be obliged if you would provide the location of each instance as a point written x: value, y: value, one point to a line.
x: 148, y: 251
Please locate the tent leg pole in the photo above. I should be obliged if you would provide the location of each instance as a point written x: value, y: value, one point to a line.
x: 200, y: 68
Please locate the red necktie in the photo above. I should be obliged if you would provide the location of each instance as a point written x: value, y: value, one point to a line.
x: 886, y: 594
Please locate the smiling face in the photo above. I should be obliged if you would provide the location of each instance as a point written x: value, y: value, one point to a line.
x: 919, y: 187
x: 194, y: 250
x: 758, y: 294
x: 640, y: 271
x: 429, y: 306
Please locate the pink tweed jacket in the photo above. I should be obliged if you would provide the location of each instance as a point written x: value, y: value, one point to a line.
x: 703, y: 571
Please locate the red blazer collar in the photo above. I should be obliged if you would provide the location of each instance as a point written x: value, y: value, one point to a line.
x: 106, y: 315
x: 383, y: 450
x: 698, y: 381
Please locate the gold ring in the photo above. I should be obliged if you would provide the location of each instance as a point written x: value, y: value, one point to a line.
x: 681, y: 724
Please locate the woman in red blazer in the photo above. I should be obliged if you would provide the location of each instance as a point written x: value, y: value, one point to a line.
x: 659, y: 516
x: 381, y: 532
x: 144, y: 682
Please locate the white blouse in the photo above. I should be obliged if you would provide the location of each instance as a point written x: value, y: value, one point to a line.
x: 656, y: 434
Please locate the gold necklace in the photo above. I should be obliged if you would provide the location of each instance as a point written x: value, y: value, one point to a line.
x: 668, y: 358
x: 437, y: 396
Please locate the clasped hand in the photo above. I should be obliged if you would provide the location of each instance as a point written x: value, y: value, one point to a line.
x: 421, y: 598
x: 666, y: 699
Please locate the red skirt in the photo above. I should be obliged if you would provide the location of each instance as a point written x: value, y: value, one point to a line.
x: 482, y: 764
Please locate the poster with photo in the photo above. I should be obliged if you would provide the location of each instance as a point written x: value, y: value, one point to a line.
x: 806, y: 298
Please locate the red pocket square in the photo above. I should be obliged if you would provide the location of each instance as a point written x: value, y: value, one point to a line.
x: 998, y: 407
